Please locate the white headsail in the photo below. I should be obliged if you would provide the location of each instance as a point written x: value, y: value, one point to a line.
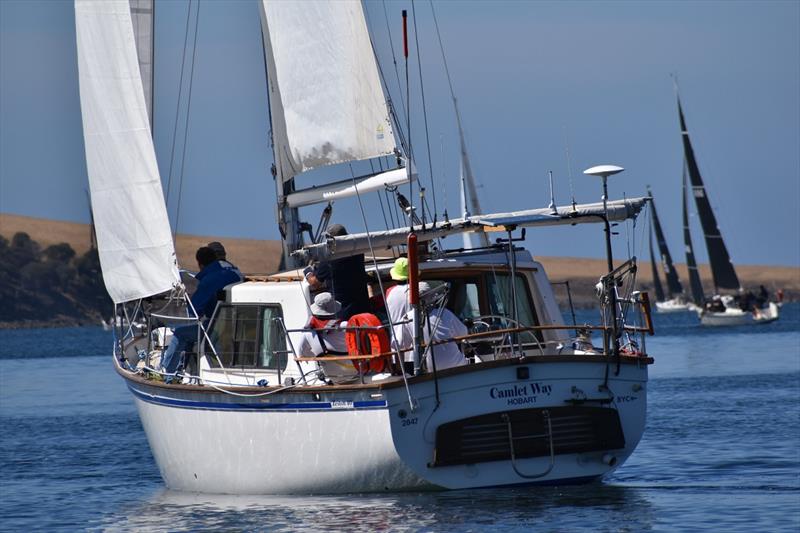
x: 142, y: 18
x: 326, y: 99
x: 133, y: 233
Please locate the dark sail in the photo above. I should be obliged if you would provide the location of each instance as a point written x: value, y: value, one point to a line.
x: 656, y: 281
x: 721, y: 267
x: 694, y: 277
x: 674, y: 287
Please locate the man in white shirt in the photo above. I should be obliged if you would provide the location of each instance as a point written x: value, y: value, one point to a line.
x: 397, y: 295
x: 440, y: 324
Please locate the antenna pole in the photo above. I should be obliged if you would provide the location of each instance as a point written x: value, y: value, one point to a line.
x: 552, y: 205
x: 408, y: 122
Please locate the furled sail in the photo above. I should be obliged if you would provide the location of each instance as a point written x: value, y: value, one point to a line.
x: 691, y: 264
x: 674, y: 287
x: 142, y: 18
x: 654, y: 266
x: 722, y: 269
x: 326, y: 100
x: 137, y: 254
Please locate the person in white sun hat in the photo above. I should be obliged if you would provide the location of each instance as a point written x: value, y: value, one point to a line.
x: 326, y: 335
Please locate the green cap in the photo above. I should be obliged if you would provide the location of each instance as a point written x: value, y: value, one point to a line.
x: 399, y: 271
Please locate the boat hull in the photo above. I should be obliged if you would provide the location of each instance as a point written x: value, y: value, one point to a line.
x: 674, y: 306
x: 372, y: 439
x: 737, y: 317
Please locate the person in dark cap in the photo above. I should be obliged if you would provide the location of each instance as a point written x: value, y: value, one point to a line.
x: 345, y: 278
x: 214, y: 275
x: 218, y: 249
x: 222, y: 255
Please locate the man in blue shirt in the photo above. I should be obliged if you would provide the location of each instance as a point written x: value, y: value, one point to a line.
x: 214, y: 276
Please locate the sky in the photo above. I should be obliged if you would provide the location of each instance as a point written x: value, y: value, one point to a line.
x: 534, y: 81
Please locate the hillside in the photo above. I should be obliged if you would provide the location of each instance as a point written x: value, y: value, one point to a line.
x: 22, y: 284
x: 251, y: 256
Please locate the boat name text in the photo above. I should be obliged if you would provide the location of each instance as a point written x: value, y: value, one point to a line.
x: 520, y: 394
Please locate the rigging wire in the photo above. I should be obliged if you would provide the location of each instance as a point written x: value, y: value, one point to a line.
x: 380, y: 200
x: 424, y: 110
x: 411, y: 402
x: 408, y: 125
x: 394, y: 60
x: 178, y: 104
x: 186, y: 123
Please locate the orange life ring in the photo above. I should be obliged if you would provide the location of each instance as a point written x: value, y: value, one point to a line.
x: 367, y: 342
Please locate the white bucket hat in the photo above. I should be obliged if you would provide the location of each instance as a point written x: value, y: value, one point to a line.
x: 324, y: 305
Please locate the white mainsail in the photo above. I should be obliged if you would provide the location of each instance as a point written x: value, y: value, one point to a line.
x: 326, y: 99
x: 133, y: 233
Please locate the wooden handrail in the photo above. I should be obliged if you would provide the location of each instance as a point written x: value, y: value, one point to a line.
x: 461, y: 338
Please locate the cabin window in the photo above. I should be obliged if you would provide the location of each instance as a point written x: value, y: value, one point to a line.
x: 464, y: 299
x: 248, y: 336
x: 500, y: 302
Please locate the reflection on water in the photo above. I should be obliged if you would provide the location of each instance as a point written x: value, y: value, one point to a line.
x: 555, y: 508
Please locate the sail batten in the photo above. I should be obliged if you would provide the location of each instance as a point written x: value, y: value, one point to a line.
x: 722, y: 270
x: 134, y: 242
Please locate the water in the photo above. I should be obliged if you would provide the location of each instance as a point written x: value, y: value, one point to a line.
x: 721, y: 451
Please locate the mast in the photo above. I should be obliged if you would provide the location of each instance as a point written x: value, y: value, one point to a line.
x: 722, y: 269
x: 656, y: 280
x: 694, y: 277
x: 674, y: 287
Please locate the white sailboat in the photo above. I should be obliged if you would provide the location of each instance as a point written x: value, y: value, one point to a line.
x: 251, y: 416
x: 737, y: 307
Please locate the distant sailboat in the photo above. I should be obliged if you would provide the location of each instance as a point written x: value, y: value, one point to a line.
x: 737, y: 307
x: 674, y: 300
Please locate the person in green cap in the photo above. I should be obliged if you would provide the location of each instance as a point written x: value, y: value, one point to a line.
x: 397, y: 295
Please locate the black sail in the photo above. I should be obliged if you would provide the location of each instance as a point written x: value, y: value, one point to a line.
x: 656, y: 281
x: 721, y: 267
x: 674, y: 287
x: 694, y: 277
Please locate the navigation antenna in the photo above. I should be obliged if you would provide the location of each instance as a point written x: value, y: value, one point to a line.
x: 552, y: 205
x: 569, y: 170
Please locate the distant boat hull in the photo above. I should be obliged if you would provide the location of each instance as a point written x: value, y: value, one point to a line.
x: 736, y: 317
x: 366, y: 438
x: 675, y: 305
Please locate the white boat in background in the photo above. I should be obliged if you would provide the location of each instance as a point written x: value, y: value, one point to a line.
x: 534, y: 402
x: 738, y: 307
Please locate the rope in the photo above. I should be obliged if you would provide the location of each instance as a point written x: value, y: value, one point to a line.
x: 389, y: 102
x: 380, y: 285
x: 424, y: 109
x: 178, y: 106
x: 186, y: 124
x: 394, y: 61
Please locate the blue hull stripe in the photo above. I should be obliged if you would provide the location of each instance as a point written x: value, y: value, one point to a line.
x: 224, y: 406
